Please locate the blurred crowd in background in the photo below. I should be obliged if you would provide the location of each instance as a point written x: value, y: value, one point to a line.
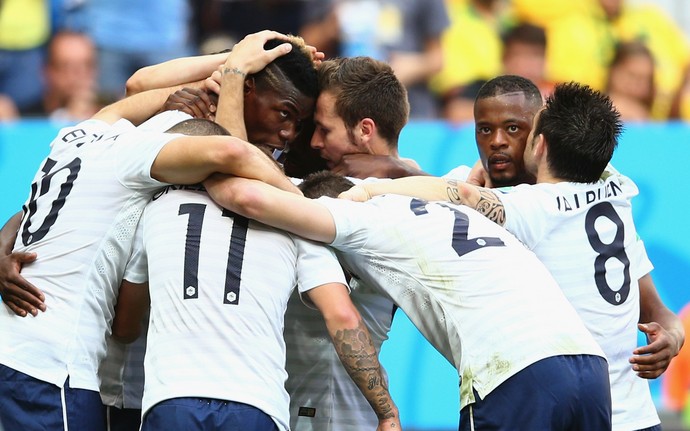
x: 65, y: 58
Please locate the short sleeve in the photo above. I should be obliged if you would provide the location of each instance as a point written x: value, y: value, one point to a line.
x: 135, y: 153
x: 351, y: 232
x: 316, y: 265
x: 639, y: 261
x: 525, y: 213
x: 164, y: 121
x: 136, y: 270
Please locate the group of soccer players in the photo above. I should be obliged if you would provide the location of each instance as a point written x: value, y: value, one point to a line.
x: 219, y: 283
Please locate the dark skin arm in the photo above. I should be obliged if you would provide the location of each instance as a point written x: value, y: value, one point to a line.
x: 364, y: 165
x: 196, y: 102
x: 664, y: 331
x: 18, y: 294
x: 132, y: 303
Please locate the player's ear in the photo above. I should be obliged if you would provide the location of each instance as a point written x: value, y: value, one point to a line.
x: 249, y: 85
x: 365, y: 131
x: 540, y: 146
x: 367, y: 127
x: 538, y: 143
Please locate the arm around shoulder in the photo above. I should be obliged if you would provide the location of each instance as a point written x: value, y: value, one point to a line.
x: 191, y: 159
x: 262, y: 202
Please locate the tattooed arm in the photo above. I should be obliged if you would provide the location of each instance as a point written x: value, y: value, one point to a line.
x: 481, y: 199
x: 356, y: 350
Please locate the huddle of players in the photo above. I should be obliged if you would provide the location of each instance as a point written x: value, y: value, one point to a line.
x: 447, y: 326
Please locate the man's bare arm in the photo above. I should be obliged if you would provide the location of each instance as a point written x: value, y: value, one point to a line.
x: 364, y: 165
x: 174, y: 72
x: 481, y: 199
x: 137, y: 108
x: 191, y: 159
x: 256, y: 200
x: 132, y: 303
x: 664, y: 331
x: 17, y: 293
x: 356, y: 350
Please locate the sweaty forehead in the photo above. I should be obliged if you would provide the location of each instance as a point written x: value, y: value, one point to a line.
x: 286, y: 90
x: 509, y: 105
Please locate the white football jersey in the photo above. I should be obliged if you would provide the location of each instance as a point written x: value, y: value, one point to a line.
x: 121, y: 371
x: 219, y: 286
x: 323, y: 396
x: 84, y: 205
x: 484, y: 301
x: 459, y: 173
x: 585, y: 235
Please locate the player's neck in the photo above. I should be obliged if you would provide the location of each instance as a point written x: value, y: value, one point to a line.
x: 545, y: 176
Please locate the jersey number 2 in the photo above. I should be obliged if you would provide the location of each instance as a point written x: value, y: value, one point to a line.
x: 461, y: 243
x: 233, y: 270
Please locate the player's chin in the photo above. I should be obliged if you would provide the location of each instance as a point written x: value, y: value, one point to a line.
x: 504, y: 178
x: 330, y: 164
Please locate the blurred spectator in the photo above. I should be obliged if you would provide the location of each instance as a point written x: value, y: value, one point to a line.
x: 676, y: 382
x: 8, y: 110
x: 542, y: 12
x: 70, y: 76
x: 471, y: 47
x: 235, y: 19
x: 631, y: 81
x: 580, y: 44
x: 405, y: 33
x: 24, y: 29
x: 131, y: 34
x: 69, y: 15
x: 582, y: 37
x: 524, y: 54
x: 649, y: 24
x: 680, y: 109
x: 458, y: 104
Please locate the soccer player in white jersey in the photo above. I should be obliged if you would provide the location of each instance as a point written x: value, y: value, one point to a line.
x: 187, y: 369
x: 366, y: 94
x: 524, y: 358
x: 361, y: 109
x: 578, y: 220
x: 275, y: 104
x: 85, y: 201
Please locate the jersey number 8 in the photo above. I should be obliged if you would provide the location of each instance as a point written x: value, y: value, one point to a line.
x: 613, y: 250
